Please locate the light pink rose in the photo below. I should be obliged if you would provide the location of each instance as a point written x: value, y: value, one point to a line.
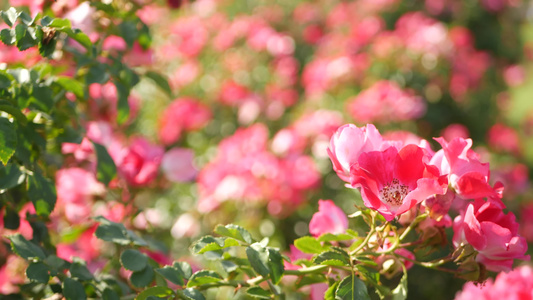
x: 348, y: 143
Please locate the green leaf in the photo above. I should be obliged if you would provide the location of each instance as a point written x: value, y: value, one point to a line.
x: 234, y: 231
x: 192, y: 294
x: 42, y: 98
x: 73, y: 290
x: 56, y: 264
x: 330, y: 292
x: 106, y: 169
x: 71, y: 85
x: 25, y: 18
x: 27, y: 37
x: 351, y: 288
x: 156, y: 291
x: 329, y: 237
x: 59, y: 23
x: 42, y: 194
x: 229, y: 266
x: 209, y: 243
x: 203, y: 277
x: 111, y: 232
x: 259, y: 258
x: 123, y: 106
x: 275, y: 264
x: 116, y: 233
x: 10, y: 176
x: 37, y: 271
x: 8, y: 36
x: 128, y: 31
x: 332, y: 258
x: 25, y: 249
x: 11, y: 219
x: 309, y: 244
x: 8, y: 140
x: 46, y: 20
x: 13, y: 110
x: 110, y: 294
x: 78, y: 36
x: 160, y: 81
x: 143, y: 277
x: 9, y: 16
x: 259, y: 293
x: 97, y: 74
x: 171, y: 274
x: 400, y: 292
x: 79, y: 270
x: 184, y: 268
x: 133, y: 260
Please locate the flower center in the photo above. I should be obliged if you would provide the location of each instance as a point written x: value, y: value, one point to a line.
x: 393, y: 193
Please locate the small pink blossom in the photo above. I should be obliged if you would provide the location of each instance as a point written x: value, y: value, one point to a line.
x: 328, y: 219
x: 492, y: 233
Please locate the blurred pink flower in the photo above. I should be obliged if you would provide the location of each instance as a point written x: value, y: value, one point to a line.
x: 386, y: 102
x: 139, y: 162
x: 328, y: 219
x: 514, y: 75
x: 182, y: 114
x: 492, y: 233
x: 455, y: 131
x: 76, y: 188
x: 504, y: 138
x: 177, y: 165
x: 185, y: 226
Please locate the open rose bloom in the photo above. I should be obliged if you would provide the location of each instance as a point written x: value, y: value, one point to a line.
x: 395, y: 176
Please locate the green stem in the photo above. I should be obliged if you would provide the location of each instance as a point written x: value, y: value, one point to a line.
x: 367, y: 238
x: 429, y: 265
x: 310, y: 270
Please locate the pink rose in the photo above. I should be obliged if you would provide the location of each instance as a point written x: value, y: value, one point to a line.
x: 328, y: 219
x: 467, y: 175
x: 393, y: 181
x: 492, y: 233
